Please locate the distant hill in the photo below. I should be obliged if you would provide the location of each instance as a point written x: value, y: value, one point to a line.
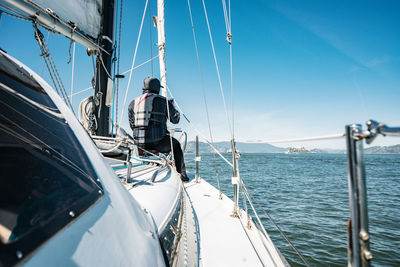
x: 267, y: 148
x: 242, y: 147
x: 383, y: 150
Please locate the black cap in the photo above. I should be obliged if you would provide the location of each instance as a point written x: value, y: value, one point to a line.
x: 152, y: 84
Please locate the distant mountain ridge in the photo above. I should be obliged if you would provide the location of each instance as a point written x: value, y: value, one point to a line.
x: 224, y: 146
x: 383, y: 150
x: 242, y: 147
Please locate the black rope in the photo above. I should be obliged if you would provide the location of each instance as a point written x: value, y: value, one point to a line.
x: 51, y: 67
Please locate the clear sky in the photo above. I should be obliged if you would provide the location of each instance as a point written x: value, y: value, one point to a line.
x: 300, y: 68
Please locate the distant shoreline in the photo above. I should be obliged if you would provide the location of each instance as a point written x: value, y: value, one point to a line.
x: 263, y: 148
x: 319, y: 153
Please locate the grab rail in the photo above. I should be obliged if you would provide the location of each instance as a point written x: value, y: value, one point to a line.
x: 359, y: 253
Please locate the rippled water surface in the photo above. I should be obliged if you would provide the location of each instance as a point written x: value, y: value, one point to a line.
x: 307, y: 196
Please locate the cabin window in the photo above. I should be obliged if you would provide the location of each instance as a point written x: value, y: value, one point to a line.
x: 46, y: 177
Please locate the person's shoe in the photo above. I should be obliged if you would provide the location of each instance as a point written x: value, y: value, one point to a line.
x: 184, y: 178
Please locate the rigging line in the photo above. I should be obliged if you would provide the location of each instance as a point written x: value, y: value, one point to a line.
x: 82, y: 91
x: 104, y: 67
x: 60, y: 81
x: 94, y: 78
x: 118, y: 60
x: 151, y: 39
x: 47, y: 41
x: 73, y: 70
x: 48, y: 68
x: 249, y: 195
x: 216, y: 65
x: 200, y: 71
x: 232, y: 98
x: 200, y: 134
x: 133, y: 63
x: 229, y: 15
x: 225, y: 16
x: 151, y: 59
x: 11, y: 12
x: 315, y: 138
x: 203, y: 89
x: 229, y: 39
x: 114, y: 63
x: 46, y: 54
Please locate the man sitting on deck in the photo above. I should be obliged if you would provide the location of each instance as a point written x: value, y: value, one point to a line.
x: 148, y: 116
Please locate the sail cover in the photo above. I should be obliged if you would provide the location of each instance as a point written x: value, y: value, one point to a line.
x: 86, y: 14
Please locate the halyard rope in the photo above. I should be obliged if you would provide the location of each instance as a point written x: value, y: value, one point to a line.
x: 91, y: 87
x: 72, y: 73
x: 228, y: 26
x: 217, y: 68
x: 133, y: 63
x: 141, y: 64
x: 204, y: 93
x: 200, y: 134
x: 118, y: 60
x: 54, y: 75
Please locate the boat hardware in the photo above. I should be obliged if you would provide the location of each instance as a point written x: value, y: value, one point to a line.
x: 197, y: 160
x: 359, y: 253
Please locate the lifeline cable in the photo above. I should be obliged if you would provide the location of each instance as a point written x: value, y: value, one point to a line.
x: 277, y: 226
x: 204, y: 94
x: 314, y: 138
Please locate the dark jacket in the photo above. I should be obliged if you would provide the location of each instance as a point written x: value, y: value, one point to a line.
x: 157, y: 128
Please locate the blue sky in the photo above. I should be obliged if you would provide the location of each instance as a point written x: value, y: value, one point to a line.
x: 300, y: 68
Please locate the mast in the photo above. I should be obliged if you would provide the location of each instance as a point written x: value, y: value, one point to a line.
x: 104, y: 83
x: 161, y: 46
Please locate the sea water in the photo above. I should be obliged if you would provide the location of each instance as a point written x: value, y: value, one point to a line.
x: 307, y: 196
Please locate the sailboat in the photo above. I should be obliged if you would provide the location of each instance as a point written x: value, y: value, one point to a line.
x: 87, y: 196
x: 75, y: 193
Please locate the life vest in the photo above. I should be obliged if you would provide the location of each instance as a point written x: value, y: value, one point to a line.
x: 145, y: 112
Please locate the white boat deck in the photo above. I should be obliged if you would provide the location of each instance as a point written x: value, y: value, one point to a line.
x: 211, y: 235
x: 226, y: 240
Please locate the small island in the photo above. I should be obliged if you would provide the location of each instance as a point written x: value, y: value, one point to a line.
x: 300, y: 150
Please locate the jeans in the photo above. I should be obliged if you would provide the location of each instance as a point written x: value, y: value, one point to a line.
x: 164, y: 146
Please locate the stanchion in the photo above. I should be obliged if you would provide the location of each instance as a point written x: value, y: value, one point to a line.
x: 358, y: 235
x: 198, y: 158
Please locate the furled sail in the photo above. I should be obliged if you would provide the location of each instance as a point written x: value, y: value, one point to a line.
x: 79, y: 20
x: 85, y: 14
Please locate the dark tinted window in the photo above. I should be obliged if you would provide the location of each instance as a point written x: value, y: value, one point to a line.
x: 46, y: 177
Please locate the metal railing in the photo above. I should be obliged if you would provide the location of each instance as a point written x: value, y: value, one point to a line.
x: 359, y: 253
